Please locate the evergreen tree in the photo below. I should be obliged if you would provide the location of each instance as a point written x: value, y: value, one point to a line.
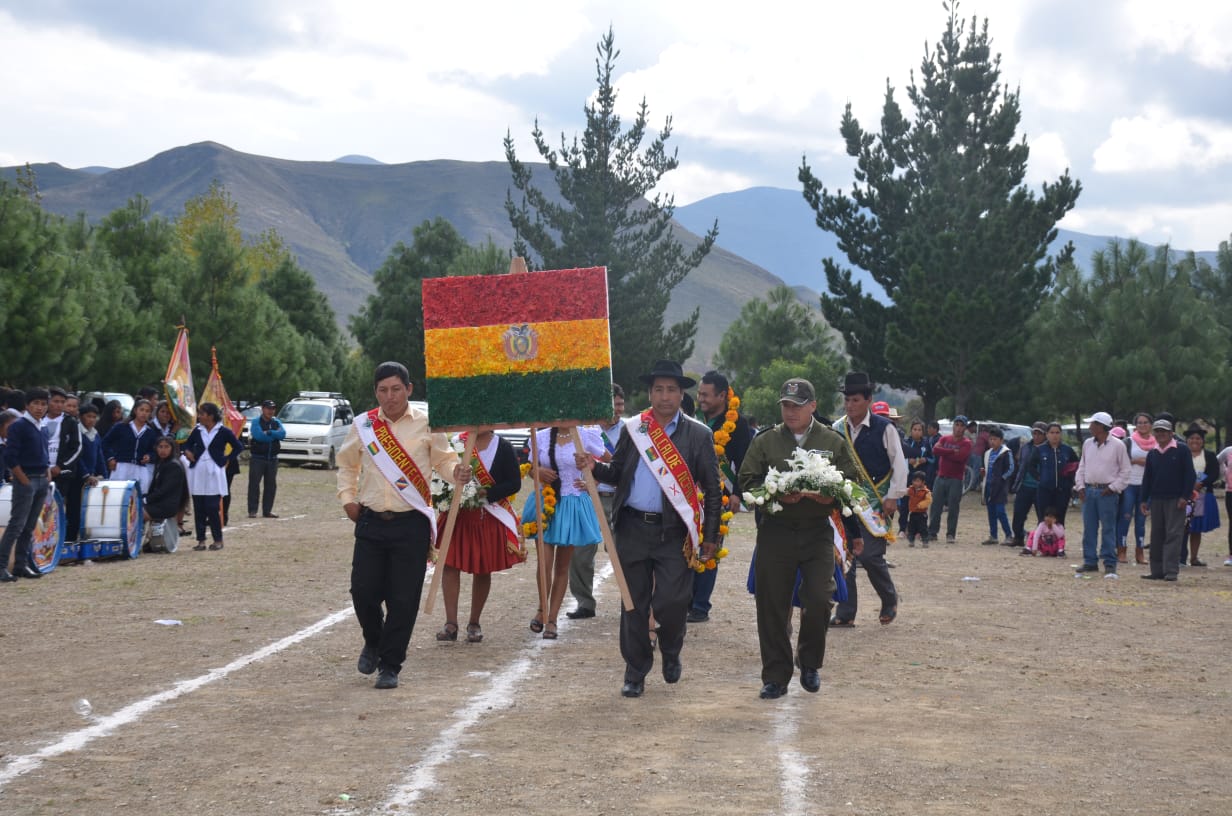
x: 603, y: 217
x: 389, y: 326
x: 772, y: 341
x: 941, y: 219
x: 1134, y: 336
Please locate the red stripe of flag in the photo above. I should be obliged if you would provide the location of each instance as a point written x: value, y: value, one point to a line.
x: 523, y: 297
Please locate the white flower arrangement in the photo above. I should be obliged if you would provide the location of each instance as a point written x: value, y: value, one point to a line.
x: 807, y: 472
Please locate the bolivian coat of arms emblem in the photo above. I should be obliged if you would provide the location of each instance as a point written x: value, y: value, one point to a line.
x: 521, y: 342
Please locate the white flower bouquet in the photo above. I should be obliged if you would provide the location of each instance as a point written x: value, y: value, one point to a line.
x: 442, y: 494
x: 812, y: 472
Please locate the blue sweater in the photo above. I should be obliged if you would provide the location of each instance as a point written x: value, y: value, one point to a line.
x: 122, y: 445
x: 26, y: 447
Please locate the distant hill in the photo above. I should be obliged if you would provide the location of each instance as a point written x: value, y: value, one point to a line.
x: 354, y: 158
x: 342, y: 218
x: 775, y: 229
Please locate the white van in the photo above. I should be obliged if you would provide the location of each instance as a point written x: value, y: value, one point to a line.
x: 317, y: 423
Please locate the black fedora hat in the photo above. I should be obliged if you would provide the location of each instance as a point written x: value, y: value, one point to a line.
x: 668, y: 368
x: 856, y: 381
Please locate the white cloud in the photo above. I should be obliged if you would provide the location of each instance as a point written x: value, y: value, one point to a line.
x: 1197, y: 29
x: 1199, y: 227
x: 691, y: 182
x: 1157, y: 141
x: 1048, y: 159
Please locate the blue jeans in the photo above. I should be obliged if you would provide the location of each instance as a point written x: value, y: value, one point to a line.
x: 1099, y: 517
x: 996, y: 513
x: 1131, y: 508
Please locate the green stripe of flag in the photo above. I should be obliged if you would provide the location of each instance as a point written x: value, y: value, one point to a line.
x: 520, y: 399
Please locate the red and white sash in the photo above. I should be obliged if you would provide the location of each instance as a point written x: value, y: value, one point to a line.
x: 396, y: 465
x: 502, y: 510
x: 669, y: 469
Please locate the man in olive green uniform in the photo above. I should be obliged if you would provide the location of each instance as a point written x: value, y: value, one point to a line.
x: 798, y: 537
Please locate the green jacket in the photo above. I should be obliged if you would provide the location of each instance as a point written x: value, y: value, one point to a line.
x: 774, y: 447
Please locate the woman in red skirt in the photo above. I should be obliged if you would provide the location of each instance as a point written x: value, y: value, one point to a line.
x: 485, y: 538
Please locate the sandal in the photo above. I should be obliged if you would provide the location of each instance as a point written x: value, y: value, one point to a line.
x: 217, y: 545
x: 450, y: 632
x: 888, y: 615
x: 549, y: 631
x: 536, y: 625
x: 474, y: 634
x: 841, y: 623
x: 200, y: 547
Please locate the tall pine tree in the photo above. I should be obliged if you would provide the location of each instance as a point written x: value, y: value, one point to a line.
x: 941, y: 219
x: 605, y: 217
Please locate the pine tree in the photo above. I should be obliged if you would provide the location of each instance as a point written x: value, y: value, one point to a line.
x: 605, y: 217
x: 941, y: 219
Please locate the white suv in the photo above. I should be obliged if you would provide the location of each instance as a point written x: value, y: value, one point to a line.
x: 317, y: 423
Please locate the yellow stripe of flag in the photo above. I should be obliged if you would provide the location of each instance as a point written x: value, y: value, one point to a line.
x: 475, y: 351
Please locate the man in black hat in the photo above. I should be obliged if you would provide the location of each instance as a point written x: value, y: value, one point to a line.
x: 663, y: 459
x: 798, y: 539
x: 267, y: 434
x: 881, y: 468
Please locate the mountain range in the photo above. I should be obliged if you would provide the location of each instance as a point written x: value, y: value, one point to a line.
x: 342, y: 218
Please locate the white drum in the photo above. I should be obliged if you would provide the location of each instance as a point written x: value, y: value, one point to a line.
x: 111, y: 512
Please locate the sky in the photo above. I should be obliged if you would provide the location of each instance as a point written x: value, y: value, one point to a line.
x: 1133, y: 97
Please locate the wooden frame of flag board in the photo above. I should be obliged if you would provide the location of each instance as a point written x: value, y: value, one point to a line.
x: 516, y: 350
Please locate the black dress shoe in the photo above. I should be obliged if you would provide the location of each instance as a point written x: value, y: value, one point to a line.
x: 773, y: 691
x: 633, y: 688
x: 1151, y: 577
x: 367, y: 660
x: 27, y: 571
x: 6, y: 576
x: 388, y: 678
x: 579, y: 613
x: 810, y: 680
x: 671, y: 669
x: 270, y: 515
x: 696, y: 616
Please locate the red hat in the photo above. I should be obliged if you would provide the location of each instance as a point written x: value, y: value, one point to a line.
x: 881, y: 409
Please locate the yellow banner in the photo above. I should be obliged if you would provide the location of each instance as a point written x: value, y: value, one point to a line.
x: 525, y: 348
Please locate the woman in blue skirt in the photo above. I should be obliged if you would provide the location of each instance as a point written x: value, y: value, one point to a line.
x: 1203, y: 510
x: 574, y: 524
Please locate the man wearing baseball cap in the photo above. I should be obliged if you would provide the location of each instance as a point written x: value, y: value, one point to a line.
x: 798, y: 539
x: 1103, y: 473
x: 267, y: 434
x: 952, y: 453
x: 1026, y: 481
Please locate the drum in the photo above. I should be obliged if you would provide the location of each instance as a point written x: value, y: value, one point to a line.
x: 48, y: 542
x: 164, y: 537
x: 111, y: 520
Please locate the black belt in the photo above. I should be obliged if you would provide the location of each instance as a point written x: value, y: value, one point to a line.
x: 643, y: 516
x: 386, y: 515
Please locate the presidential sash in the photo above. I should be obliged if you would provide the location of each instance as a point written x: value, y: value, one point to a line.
x: 502, y: 510
x: 668, y: 467
x: 397, y: 466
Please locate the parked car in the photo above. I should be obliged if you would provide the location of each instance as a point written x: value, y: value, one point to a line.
x: 126, y: 400
x: 317, y: 423
x: 250, y: 413
x: 520, y: 439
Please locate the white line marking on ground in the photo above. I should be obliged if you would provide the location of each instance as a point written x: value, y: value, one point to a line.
x: 499, y: 696
x: 17, y: 766
x: 793, y: 770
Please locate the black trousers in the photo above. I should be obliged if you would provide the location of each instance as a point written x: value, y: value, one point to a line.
x: 208, y: 510
x: 70, y: 490
x: 783, y: 550
x: 652, y: 557
x: 874, y: 563
x: 262, y: 475
x: 387, y: 568
x: 1024, y: 500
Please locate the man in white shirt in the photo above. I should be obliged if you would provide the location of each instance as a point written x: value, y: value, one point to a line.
x: 882, y: 470
x: 1103, y: 473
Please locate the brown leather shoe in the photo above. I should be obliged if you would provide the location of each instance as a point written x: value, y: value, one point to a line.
x: 1139, y: 555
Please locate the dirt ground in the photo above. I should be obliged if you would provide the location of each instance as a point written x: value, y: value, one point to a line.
x: 1026, y: 692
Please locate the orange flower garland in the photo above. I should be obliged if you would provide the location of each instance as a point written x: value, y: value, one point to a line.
x: 723, y: 435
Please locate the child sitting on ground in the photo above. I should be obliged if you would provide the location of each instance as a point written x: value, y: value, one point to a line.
x: 1048, y: 538
x: 919, y: 499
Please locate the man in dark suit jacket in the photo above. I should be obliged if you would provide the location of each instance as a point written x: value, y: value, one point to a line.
x: 650, y: 512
